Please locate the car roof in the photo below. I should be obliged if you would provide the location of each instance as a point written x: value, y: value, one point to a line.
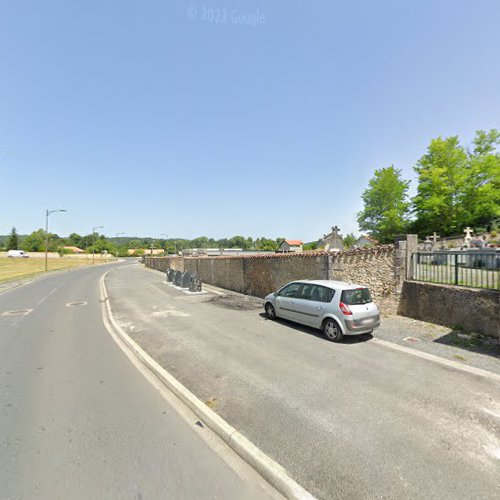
x: 332, y: 284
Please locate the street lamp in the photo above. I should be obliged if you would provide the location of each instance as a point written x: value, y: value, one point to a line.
x: 47, y: 213
x: 116, y: 243
x: 93, y: 241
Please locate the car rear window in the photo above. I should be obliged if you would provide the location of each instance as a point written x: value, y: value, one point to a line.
x: 356, y: 297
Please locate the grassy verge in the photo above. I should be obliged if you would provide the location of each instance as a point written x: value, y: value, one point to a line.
x: 21, y: 268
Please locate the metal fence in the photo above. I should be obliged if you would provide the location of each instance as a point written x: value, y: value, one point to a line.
x: 475, y: 269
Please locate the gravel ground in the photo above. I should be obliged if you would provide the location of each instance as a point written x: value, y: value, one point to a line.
x: 470, y: 349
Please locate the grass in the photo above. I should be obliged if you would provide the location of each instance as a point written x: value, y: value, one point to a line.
x: 22, y: 268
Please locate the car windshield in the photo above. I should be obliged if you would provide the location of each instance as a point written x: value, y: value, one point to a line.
x: 356, y: 297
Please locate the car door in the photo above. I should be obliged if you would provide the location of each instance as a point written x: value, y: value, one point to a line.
x: 285, y: 300
x: 310, y: 307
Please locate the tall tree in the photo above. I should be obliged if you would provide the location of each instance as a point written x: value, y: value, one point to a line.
x: 349, y: 240
x: 13, y: 241
x: 481, y: 195
x: 385, y: 212
x: 442, y: 173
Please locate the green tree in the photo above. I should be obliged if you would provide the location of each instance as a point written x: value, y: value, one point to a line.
x: 442, y: 173
x: 266, y: 244
x: 349, y: 240
x: 34, y: 242
x: 13, y: 241
x: 76, y: 240
x: 481, y: 193
x: 385, y: 213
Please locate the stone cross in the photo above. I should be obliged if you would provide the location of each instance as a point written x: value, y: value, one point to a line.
x: 468, y: 236
x: 427, y: 243
x: 335, y: 230
x: 435, y: 237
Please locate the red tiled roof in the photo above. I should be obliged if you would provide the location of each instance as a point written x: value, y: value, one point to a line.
x: 74, y: 249
x: 294, y: 242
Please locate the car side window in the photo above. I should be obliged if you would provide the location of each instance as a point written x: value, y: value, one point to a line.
x: 322, y: 294
x: 292, y: 291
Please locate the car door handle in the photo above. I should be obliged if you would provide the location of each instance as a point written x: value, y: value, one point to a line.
x: 320, y: 308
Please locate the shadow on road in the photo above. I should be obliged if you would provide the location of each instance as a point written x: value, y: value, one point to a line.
x: 348, y: 339
x: 471, y: 342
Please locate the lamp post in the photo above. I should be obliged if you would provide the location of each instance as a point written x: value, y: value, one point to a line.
x: 116, y: 243
x: 47, y: 213
x: 93, y: 241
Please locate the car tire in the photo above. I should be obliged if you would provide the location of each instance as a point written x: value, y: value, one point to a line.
x: 331, y: 330
x: 270, y: 312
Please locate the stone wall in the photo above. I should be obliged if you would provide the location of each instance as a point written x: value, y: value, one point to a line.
x: 164, y: 263
x: 259, y: 275
x: 472, y: 309
x: 376, y: 267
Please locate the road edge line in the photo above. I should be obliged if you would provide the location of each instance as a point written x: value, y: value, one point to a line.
x: 271, y: 471
x: 438, y: 359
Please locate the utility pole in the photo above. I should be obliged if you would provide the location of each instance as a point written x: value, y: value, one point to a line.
x: 47, y: 213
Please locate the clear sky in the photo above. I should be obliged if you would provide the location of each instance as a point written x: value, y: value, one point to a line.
x: 193, y: 118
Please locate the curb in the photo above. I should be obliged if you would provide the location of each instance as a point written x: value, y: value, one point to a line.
x: 271, y: 471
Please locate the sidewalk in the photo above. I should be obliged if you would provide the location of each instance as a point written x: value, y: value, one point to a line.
x: 471, y: 349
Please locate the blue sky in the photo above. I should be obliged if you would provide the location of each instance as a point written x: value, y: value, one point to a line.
x: 193, y: 118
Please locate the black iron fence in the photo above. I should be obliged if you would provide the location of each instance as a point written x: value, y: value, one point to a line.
x: 471, y: 268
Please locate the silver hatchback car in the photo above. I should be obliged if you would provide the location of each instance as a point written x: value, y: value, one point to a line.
x: 336, y: 307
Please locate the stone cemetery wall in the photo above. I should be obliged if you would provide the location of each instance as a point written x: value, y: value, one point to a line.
x: 164, y: 263
x: 375, y: 267
x: 259, y: 275
x: 473, y: 309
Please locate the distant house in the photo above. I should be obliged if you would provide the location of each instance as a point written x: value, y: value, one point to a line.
x: 291, y: 246
x: 365, y: 241
x: 74, y: 249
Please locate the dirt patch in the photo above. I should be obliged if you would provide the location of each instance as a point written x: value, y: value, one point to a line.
x: 235, y: 302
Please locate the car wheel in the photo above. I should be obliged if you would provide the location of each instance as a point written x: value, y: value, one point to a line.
x: 332, y: 330
x: 270, y: 312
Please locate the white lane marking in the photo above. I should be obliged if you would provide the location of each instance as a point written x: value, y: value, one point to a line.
x: 212, y: 290
x: 492, y: 413
x: 167, y: 384
x: 443, y: 361
x: 17, y: 312
x: 168, y: 313
x: 81, y: 303
x: 43, y: 299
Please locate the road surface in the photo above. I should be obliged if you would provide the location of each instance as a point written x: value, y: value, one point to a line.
x: 350, y: 420
x: 78, y: 420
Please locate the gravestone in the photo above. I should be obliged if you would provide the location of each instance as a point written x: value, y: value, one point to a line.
x: 170, y: 275
x: 428, y: 244
x: 194, y: 283
x: 178, y: 278
x: 468, y: 236
x: 186, y: 277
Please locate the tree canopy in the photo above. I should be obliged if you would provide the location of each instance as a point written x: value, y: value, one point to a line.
x: 385, y: 212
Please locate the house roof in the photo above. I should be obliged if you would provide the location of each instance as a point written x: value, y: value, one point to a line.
x: 74, y: 249
x: 294, y: 242
x: 369, y: 238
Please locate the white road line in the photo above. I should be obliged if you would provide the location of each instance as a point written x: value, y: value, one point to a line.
x: 271, y: 471
x: 17, y: 312
x: 437, y: 359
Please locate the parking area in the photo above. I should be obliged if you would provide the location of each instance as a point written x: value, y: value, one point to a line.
x: 353, y: 419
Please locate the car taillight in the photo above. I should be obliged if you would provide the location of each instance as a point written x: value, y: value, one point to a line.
x: 345, y: 310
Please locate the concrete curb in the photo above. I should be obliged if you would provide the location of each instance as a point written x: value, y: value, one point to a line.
x: 271, y: 471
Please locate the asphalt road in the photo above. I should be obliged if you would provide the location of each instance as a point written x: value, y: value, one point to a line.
x: 78, y: 420
x: 354, y: 420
